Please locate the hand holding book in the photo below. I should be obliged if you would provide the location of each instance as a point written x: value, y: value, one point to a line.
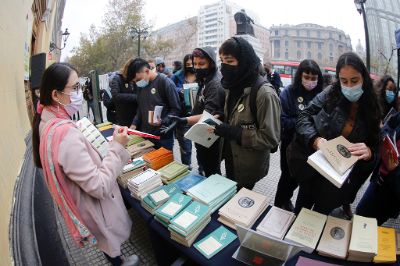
x: 361, y: 150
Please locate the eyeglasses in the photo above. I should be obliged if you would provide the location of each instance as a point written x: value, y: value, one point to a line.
x: 77, y: 87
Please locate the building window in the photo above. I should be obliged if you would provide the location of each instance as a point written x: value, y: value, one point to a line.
x: 319, y: 56
x: 286, y: 43
x: 286, y: 32
x: 308, y: 33
x: 286, y: 55
x: 320, y: 45
x: 276, y: 32
x: 330, y: 47
x: 298, y: 32
x: 330, y: 35
x: 340, y: 37
x: 298, y: 55
x: 309, y: 45
x: 309, y: 55
x: 319, y: 34
x: 298, y: 44
x: 277, y: 44
x: 277, y: 53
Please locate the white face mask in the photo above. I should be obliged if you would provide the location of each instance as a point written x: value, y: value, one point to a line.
x: 309, y: 84
x: 76, y: 102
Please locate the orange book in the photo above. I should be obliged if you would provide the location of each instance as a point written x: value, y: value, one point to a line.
x: 158, y: 158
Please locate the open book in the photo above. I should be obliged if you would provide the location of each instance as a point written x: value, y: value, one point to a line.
x: 199, y: 132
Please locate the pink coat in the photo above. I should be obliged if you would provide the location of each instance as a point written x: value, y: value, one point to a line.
x: 93, y: 186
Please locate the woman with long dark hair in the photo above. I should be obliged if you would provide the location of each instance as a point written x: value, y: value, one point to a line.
x: 308, y: 82
x: 388, y: 95
x: 349, y: 108
x: 81, y: 182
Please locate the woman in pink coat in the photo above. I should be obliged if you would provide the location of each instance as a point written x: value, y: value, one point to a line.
x: 81, y: 182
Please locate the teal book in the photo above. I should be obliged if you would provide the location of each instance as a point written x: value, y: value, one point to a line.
x: 189, y: 181
x: 173, y: 206
x: 223, y: 200
x: 191, y: 216
x: 215, y: 242
x: 211, y: 189
x: 163, y: 194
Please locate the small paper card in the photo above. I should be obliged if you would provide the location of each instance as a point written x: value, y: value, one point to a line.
x: 185, y: 219
x: 215, y: 242
x: 171, y: 209
x: 159, y: 196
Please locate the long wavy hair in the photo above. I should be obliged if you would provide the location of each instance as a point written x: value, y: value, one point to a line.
x: 368, y: 109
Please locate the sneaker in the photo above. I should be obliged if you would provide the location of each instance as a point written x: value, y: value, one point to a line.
x: 132, y: 260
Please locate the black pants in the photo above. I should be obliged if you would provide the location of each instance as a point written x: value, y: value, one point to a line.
x: 117, y: 261
x: 209, y: 158
x: 287, y: 184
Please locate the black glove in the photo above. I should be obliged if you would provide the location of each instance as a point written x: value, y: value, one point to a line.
x: 229, y: 132
x: 179, y: 120
x: 164, y: 130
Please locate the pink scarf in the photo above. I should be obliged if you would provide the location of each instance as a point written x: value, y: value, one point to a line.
x: 52, y: 135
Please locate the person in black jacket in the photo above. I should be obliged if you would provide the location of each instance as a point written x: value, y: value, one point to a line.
x: 210, y: 97
x: 124, y: 94
x: 155, y: 89
x: 308, y: 82
x: 388, y: 95
x: 349, y: 108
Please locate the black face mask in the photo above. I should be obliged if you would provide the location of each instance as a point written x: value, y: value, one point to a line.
x: 190, y: 70
x: 229, y: 72
x: 201, y: 73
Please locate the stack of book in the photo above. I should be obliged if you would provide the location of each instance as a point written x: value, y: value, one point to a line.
x: 364, y: 239
x: 216, y: 241
x: 134, y: 139
x: 143, y: 183
x: 131, y: 170
x: 386, y: 245
x: 158, y: 158
x: 188, y: 181
x: 214, y: 191
x: 138, y: 149
x: 171, y: 208
x: 276, y: 223
x: 190, y: 93
x: 335, y: 238
x: 243, y: 209
x: 156, y: 198
x: 333, y: 160
x: 306, y: 229
x: 188, y: 224
x: 173, y: 172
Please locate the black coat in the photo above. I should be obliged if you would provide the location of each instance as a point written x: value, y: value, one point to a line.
x: 124, y: 96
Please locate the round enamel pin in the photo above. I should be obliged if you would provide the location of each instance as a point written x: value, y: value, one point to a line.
x: 240, y: 108
x: 301, y: 107
x: 300, y: 99
x: 153, y: 91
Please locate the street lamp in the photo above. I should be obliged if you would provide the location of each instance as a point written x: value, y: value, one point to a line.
x: 139, y: 33
x: 361, y: 9
x: 64, y: 37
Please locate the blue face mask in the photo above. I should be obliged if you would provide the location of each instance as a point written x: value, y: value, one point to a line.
x: 390, y: 96
x: 142, y: 83
x: 353, y: 94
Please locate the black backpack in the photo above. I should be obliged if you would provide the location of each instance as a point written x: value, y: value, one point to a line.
x: 253, y: 102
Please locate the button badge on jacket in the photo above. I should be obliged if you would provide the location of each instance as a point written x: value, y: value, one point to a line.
x: 153, y: 91
x: 240, y: 108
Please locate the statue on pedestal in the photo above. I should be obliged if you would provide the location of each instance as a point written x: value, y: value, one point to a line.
x: 243, y: 23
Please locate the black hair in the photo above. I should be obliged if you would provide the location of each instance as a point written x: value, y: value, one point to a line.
x: 368, y: 109
x: 185, y: 59
x: 55, y: 77
x: 230, y: 47
x: 310, y: 67
x: 200, y: 53
x: 136, y: 66
x: 385, y: 105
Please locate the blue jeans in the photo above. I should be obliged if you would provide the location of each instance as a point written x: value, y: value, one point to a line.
x: 184, y: 144
x: 165, y: 142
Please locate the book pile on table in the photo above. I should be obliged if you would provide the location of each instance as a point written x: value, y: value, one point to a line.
x: 364, y: 239
x: 214, y: 191
x: 158, y: 158
x: 156, y: 198
x: 276, y: 223
x: 173, y: 172
x: 188, y: 181
x: 386, y: 245
x: 243, y: 209
x: 166, y: 212
x: 138, y: 149
x: 134, y: 139
x: 131, y: 170
x: 143, y: 183
x: 189, y: 223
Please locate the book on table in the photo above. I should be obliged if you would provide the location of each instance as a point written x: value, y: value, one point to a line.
x: 134, y: 139
x: 143, y: 183
x: 215, y: 242
x: 189, y: 181
x: 306, y: 229
x: 136, y: 148
x: 364, y: 239
x: 176, y: 179
x: 172, y: 171
x: 386, y: 246
x: 276, y: 223
x: 158, y: 158
x: 199, y: 132
x: 303, y: 261
x: 172, y: 207
x: 335, y: 239
x: 243, y: 209
x: 397, y: 243
x: 124, y: 178
x: 163, y: 194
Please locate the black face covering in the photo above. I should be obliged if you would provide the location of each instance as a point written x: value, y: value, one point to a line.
x: 229, y: 72
x: 190, y: 70
x: 201, y: 73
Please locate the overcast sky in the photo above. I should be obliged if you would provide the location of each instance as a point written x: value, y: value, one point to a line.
x: 342, y: 14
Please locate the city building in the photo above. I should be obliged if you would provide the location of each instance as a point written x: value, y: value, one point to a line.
x: 308, y: 41
x: 382, y: 20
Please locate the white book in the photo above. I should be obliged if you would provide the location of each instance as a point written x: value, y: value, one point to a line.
x: 93, y: 135
x: 276, y: 223
x: 157, y: 114
x: 199, y: 132
x: 318, y: 161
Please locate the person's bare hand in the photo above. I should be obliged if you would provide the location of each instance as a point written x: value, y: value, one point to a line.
x: 318, y: 142
x: 361, y: 150
x: 121, y: 135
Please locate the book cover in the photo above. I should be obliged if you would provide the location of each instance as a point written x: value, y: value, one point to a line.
x: 144, y: 177
x: 190, y: 216
x: 133, y: 139
x: 133, y: 164
x: 337, y: 153
x: 386, y: 245
x: 199, y: 132
x: 162, y: 194
x: 398, y: 243
x: 215, y: 242
x: 173, y: 206
x: 303, y: 261
x: 93, y: 135
x: 306, y: 229
x: 189, y: 181
x: 172, y: 170
x: 276, y: 223
x: 245, y: 207
x: 318, y: 161
x: 188, y: 92
x: 124, y: 178
x: 335, y: 238
x: 364, y: 235
x: 138, y: 147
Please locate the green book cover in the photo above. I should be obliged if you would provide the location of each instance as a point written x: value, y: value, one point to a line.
x: 134, y: 139
x: 162, y: 194
x: 212, y: 188
x: 215, y: 242
x: 172, y: 170
x: 173, y: 206
x: 190, y: 216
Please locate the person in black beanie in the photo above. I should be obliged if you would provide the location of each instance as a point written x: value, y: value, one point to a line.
x: 251, y: 128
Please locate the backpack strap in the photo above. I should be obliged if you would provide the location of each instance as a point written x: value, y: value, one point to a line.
x: 253, y: 97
